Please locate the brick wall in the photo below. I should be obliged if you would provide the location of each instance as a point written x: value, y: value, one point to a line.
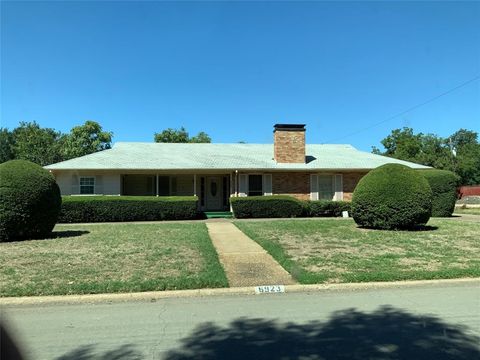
x: 289, y: 146
x: 293, y: 184
x: 297, y: 184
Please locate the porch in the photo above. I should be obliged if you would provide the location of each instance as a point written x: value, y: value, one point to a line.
x: 213, y: 190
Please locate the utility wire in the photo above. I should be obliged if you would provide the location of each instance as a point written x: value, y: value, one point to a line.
x: 409, y: 109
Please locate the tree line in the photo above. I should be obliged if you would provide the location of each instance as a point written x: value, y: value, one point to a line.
x: 44, y: 146
x: 459, y: 152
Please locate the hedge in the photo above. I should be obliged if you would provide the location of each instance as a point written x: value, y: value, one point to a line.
x: 29, y: 201
x: 79, y: 209
x: 444, y: 189
x: 325, y: 208
x: 392, y: 196
x: 276, y: 206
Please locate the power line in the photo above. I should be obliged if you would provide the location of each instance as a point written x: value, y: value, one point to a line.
x: 409, y: 109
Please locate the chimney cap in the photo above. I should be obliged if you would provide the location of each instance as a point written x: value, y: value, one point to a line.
x: 289, y: 127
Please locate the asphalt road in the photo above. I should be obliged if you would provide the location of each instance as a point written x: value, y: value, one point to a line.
x: 426, y: 322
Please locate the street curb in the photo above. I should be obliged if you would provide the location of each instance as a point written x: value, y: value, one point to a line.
x: 157, y: 295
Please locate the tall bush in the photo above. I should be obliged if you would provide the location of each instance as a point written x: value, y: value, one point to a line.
x: 444, y: 189
x: 29, y: 201
x: 392, y: 196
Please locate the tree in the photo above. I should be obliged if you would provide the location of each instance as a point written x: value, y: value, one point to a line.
x: 181, y: 136
x: 172, y: 136
x: 459, y: 152
x: 434, y: 152
x: 36, y: 144
x: 467, y: 164
x: 201, y: 137
x: 85, y: 139
x: 401, y: 144
x: 462, y: 138
x: 7, y: 141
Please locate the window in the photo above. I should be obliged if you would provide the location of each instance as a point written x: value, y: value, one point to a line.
x: 213, y: 187
x: 87, y: 185
x: 326, y: 187
x: 163, y: 186
x: 255, y: 185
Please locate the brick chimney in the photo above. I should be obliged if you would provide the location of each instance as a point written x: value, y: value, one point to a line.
x: 289, y: 143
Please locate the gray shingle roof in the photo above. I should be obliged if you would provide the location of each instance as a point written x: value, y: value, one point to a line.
x: 164, y: 156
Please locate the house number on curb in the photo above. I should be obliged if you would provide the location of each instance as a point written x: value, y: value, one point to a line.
x: 267, y: 289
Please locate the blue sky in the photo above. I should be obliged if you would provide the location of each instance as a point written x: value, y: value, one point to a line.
x: 234, y: 69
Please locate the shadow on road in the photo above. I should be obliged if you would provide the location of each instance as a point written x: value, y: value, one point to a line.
x: 385, y: 334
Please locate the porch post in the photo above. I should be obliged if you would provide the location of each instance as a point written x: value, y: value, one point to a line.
x: 236, y: 183
x: 230, y: 192
x: 156, y: 184
x: 194, y: 184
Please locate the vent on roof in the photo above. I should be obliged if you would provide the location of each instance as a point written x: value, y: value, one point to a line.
x: 289, y: 143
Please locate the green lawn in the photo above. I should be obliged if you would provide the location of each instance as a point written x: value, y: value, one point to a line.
x: 336, y: 251
x: 472, y: 211
x: 85, y: 259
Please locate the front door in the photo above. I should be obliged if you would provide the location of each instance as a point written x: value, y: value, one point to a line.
x: 214, y: 193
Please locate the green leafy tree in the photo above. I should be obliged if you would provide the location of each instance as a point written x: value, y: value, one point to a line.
x: 172, y: 136
x: 180, y: 136
x: 459, y: 152
x: 462, y: 138
x: 467, y: 164
x: 434, y: 153
x: 201, y: 137
x: 85, y: 139
x: 36, y: 144
x: 401, y: 144
x: 7, y: 141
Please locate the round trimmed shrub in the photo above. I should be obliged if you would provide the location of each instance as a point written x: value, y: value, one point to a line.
x: 29, y: 201
x: 392, y: 196
x: 444, y: 188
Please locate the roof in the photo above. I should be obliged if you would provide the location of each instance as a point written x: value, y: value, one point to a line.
x: 168, y: 156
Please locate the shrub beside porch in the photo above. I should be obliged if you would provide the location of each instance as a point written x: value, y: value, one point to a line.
x: 83, y: 209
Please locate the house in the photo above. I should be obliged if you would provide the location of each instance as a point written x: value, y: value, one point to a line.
x: 216, y: 172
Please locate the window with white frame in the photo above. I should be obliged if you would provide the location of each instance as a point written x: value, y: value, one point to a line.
x: 255, y: 185
x: 326, y: 187
x: 87, y: 185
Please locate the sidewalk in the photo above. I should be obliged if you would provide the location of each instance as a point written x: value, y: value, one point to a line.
x: 245, y: 262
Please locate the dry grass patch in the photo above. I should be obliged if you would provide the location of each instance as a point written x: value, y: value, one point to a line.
x: 328, y: 250
x: 111, y: 258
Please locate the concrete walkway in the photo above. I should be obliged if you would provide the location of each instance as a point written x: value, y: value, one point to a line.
x: 245, y: 262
